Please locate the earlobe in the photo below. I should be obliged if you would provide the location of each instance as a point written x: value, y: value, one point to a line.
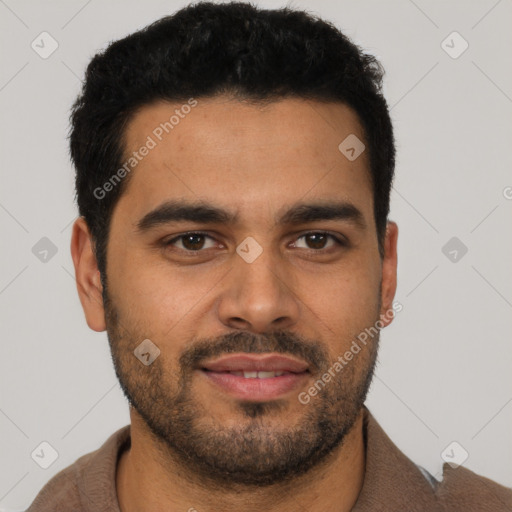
x: 88, y: 280
x: 389, y: 273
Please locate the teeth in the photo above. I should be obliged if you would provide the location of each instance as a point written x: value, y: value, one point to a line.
x: 257, y: 375
x: 267, y: 375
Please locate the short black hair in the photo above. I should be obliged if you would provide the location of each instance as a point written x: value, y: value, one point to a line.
x: 208, y: 49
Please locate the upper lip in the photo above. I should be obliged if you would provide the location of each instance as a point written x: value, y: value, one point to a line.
x: 264, y: 363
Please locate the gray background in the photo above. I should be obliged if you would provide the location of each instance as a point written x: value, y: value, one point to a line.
x: 444, y: 370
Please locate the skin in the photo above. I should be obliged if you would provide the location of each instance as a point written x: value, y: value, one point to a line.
x: 256, y: 161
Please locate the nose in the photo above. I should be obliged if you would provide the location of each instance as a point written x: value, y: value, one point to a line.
x: 258, y: 296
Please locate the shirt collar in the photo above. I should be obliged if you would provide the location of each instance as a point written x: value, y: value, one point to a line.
x: 391, y: 481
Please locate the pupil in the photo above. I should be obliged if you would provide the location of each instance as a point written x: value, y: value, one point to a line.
x: 193, y: 241
x: 318, y: 240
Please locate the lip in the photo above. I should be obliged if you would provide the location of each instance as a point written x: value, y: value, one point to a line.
x: 252, y: 362
x: 256, y: 389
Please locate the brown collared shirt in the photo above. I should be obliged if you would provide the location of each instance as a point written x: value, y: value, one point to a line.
x: 392, y: 482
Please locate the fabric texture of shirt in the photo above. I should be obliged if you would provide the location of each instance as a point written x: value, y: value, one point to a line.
x: 392, y: 482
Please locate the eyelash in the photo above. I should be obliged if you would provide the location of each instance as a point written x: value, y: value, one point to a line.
x: 339, y: 241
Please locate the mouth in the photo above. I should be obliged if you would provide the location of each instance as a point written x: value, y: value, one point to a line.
x: 256, y: 377
x: 258, y: 374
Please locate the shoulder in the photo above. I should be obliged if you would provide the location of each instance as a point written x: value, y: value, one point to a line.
x: 463, y: 490
x: 61, y: 493
x: 86, y: 485
x: 394, y: 482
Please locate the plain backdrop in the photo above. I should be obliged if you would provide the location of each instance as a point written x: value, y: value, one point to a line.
x: 444, y: 370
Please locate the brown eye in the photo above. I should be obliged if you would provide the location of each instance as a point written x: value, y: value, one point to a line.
x: 193, y: 242
x: 318, y: 241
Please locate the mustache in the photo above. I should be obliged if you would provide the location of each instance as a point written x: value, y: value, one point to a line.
x: 281, y: 342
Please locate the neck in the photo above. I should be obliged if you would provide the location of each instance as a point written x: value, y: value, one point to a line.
x: 147, y: 483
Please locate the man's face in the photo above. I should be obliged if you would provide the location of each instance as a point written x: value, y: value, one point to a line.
x: 198, y: 299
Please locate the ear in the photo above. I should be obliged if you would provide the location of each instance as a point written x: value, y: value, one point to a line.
x: 389, y: 266
x: 88, y: 280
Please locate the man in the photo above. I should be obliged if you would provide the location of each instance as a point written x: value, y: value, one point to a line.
x: 233, y: 170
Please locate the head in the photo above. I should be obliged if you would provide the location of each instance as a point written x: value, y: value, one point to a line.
x: 219, y: 214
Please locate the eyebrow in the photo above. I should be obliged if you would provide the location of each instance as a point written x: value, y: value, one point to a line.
x: 205, y: 213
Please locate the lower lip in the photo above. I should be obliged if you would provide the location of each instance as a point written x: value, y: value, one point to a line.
x: 256, y: 389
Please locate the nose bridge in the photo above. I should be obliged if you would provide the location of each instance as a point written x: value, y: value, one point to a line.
x: 258, y: 295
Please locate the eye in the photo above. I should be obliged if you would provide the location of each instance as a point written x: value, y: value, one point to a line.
x: 315, y: 241
x: 192, y: 242
x: 318, y: 241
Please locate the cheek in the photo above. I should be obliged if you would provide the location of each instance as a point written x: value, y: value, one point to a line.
x: 346, y: 302
x: 161, y: 300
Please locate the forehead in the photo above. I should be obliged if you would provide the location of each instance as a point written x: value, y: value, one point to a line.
x: 240, y: 154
